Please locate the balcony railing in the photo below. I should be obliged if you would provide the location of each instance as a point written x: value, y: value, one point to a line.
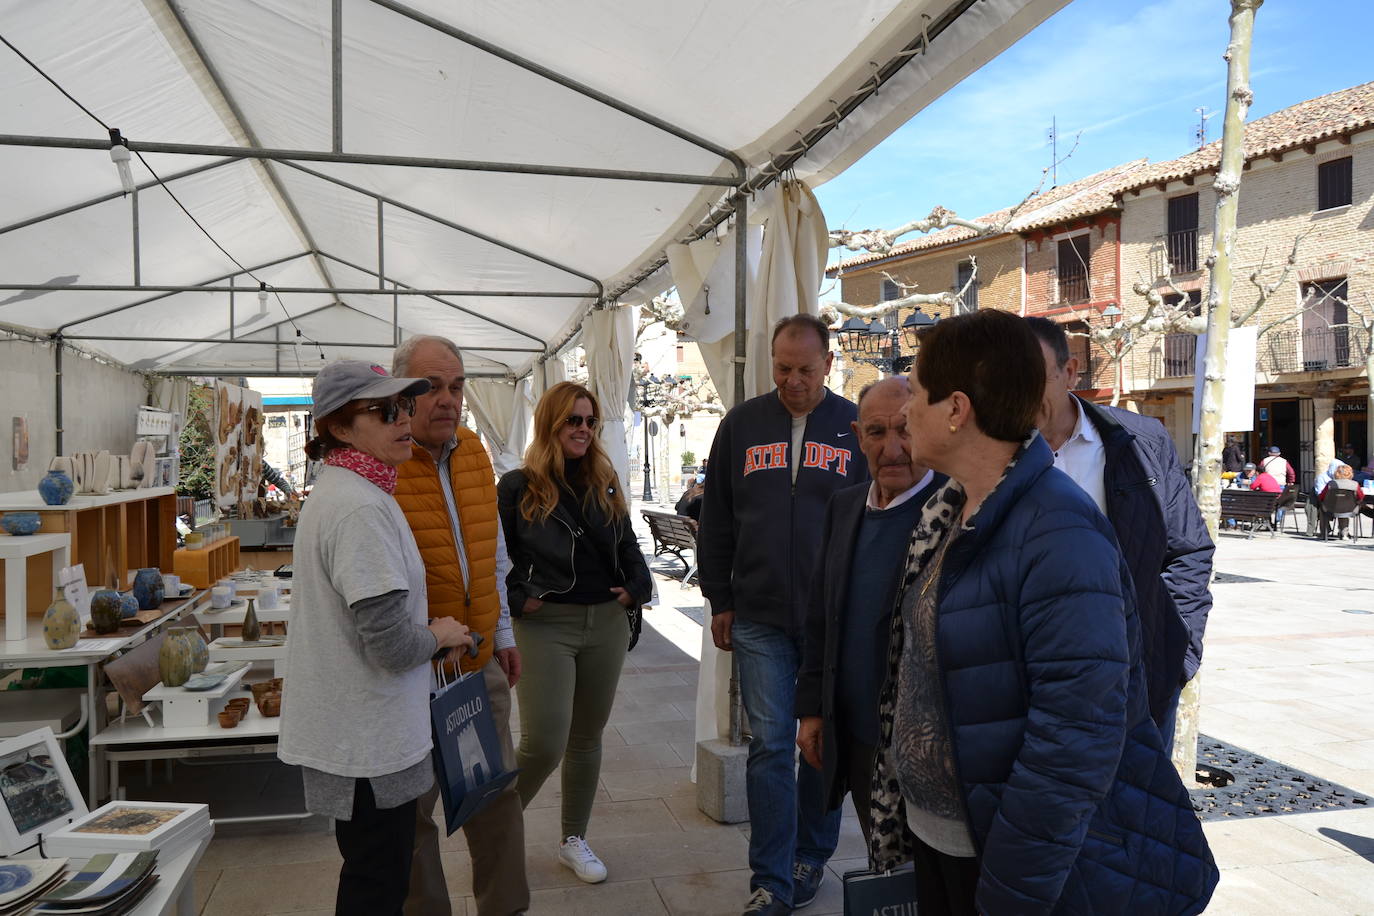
x: 1073, y: 287
x: 1181, y: 249
x: 1311, y: 349
x: 1180, y: 355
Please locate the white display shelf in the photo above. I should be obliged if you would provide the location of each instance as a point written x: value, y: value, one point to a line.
x: 15, y: 551
x: 183, y: 708
x: 33, y: 652
x: 22, y: 500
x: 136, y: 730
x: 274, y: 654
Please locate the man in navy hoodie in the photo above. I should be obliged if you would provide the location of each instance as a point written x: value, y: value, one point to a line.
x: 775, y: 462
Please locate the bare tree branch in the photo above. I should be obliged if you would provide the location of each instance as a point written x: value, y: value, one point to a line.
x: 1267, y: 289
x: 946, y: 299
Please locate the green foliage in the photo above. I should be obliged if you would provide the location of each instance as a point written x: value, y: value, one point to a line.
x: 198, y: 446
x: 688, y: 457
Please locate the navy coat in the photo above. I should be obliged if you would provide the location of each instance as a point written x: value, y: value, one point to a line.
x: 1074, y: 806
x: 1165, y: 545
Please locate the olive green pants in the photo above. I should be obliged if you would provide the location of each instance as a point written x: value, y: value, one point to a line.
x: 571, y: 656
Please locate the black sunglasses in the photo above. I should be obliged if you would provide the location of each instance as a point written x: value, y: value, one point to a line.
x: 576, y: 420
x: 392, y: 409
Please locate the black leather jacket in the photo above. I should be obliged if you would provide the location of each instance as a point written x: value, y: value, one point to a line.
x: 541, y: 553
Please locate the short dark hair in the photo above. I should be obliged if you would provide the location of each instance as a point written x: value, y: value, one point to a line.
x: 1052, y: 335
x: 801, y: 323
x: 994, y: 358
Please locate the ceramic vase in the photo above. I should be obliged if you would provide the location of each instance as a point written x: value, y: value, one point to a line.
x: 20, y: 523
x: 107, y: 609
x: 148, y: 588
x: 56, y: 488
x: 60, y: 623
x: 252, y: 629
x: 128, y: 605
x: 175, y: 661
x: 200, y: 652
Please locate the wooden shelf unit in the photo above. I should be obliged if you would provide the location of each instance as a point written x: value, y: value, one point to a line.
x: 137, y: 526
x: 203, y: 568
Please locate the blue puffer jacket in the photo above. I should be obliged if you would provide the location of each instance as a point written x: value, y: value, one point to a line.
x: 1075, y: 808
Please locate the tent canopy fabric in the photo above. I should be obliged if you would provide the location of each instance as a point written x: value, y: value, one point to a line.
x: 488, y: 171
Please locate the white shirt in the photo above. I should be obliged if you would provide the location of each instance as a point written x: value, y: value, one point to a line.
x: 1084, y: 459
x: 504, y: 637
x: 900, y: 498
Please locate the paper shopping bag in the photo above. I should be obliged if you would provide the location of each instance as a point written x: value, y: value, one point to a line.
x: 467, y: 753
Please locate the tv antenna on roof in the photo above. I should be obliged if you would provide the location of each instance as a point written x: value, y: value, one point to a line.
x: 1200, y: 132
x: 1052, y: 137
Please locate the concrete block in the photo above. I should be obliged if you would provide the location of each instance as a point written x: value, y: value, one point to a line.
x: 721, y: 793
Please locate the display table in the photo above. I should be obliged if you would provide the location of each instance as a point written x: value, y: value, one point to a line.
x: 110, y: 535
x: 175, y: 890
x: 222, y: 651
x: 33, y: 652
x: 233, y: 616
x: 16, y: 550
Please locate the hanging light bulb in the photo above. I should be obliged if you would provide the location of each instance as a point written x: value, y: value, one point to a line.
x: 262, y: 299
x: 119, y: 155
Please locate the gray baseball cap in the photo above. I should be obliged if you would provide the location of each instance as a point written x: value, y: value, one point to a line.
x: 347, y: 380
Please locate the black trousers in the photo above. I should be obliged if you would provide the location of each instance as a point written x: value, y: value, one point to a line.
x: 859, y: 760
x: 376, y: 845
x: 945, y: 885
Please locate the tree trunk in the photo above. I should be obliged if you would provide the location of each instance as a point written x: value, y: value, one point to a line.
x: 1207, y: 452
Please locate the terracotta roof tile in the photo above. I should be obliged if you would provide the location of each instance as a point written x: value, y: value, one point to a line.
x: 1307, y: 122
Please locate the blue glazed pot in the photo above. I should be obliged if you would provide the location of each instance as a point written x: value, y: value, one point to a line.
x: 56, y: 488
x: 148, y: 588
x: 21, y: 522
x: 128, y: 605
x: 106, y: 610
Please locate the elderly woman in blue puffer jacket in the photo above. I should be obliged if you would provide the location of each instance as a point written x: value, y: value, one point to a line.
x: 1019, y: 766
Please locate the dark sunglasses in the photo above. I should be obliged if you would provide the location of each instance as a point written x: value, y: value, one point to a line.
x: 392, y: 409
x: 576, y: 421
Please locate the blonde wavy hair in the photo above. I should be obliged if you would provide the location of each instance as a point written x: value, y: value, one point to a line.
x: 543, y: 465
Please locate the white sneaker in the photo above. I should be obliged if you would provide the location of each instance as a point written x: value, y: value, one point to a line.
x: 577, y: 855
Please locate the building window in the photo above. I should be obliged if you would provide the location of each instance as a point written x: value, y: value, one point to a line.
x: 1073, y: 269
x: 969, y: 301
x: 890, y: 290
x: 1180, y: 350
x: 1325, y: 328
x: 1180, y: 239
x: 1334, y: 183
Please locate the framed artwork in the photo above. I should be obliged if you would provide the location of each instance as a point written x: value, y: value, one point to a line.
x: 131, y: 826
x: 37, y: 792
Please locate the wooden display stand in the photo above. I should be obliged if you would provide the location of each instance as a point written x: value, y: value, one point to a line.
x: 133, y: 528
x: 203, y: 568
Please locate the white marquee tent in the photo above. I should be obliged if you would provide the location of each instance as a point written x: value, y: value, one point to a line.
x: 490, y: 171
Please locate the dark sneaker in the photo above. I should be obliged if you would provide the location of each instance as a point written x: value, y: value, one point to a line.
x: 806, y: 880
x: 762, y: 903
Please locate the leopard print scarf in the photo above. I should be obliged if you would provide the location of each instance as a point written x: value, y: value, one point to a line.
x: 892, y: 842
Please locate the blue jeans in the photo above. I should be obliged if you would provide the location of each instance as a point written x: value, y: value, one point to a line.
x: 768, y: 663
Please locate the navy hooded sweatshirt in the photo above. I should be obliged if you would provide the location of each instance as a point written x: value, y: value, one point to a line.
x: 760, y: 536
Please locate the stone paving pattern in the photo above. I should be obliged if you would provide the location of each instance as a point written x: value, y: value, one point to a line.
x: 1287, y: 674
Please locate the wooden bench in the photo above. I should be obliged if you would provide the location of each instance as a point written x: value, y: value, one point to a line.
x: 673, y: 534
x: 1250, y: 506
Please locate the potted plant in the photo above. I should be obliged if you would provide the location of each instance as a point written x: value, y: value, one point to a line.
x: 689, y: 464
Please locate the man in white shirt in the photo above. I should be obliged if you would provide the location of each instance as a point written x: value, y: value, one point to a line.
x: 1128, y: 465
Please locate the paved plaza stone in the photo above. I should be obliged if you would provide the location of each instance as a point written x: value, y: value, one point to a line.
x: 1288, y: 674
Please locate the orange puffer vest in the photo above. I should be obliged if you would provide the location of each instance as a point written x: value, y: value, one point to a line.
x: 421, y: 497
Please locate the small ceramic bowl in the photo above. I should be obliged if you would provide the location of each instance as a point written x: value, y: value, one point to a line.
x: 239, y: 703
x: 20, y: 523
x: 277, y: 683
x: 228, y: 719
x: 261, y: 690
x: 271, y: 705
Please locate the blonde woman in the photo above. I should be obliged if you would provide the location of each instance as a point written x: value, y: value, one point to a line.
x: 576, y: 569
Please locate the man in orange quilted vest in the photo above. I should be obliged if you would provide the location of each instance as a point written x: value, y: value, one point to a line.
x: 447, y: 491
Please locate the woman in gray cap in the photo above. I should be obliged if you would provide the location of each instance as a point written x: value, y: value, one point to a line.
x: 355, y: 712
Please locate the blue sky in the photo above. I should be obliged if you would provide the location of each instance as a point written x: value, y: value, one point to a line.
x: 1126, y: 74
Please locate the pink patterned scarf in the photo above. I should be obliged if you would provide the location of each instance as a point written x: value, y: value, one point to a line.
x: 365, y: 466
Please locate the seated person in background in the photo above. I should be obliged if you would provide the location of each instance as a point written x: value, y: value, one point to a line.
x: 690, y: 502
x: 1342, y: 479
x: 1350, y: 456
x: 1267, y: 483
x: 1246, y: 478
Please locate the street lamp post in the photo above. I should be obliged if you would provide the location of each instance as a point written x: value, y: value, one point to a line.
x: 880, y: 346
x: 644, y: 421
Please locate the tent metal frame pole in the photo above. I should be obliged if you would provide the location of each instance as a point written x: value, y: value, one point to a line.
x: 568, y: 83
x: 113, y: 195
x: 337, y: 290
x: 400, y: 205
x: 395, y: 313
x: 381, y: 247
x: 417, y: 162
x: 221, y: 372
x: 398, y: 286
x: 57, y: 391
x: 276, y: 349
x: 336, y: 73
x: 231, y: 308
x: 122, y: 308
x: 133, y: 208
x: 741, y: 351
x: 247, y: 341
